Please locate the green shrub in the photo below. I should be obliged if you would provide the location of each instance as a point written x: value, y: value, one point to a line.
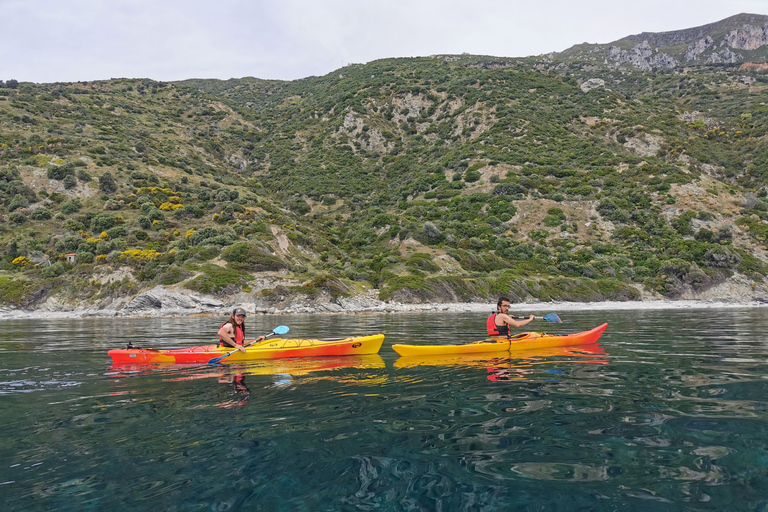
x: 216, y: 279
x: 14, y: 291
x: 16, y: 202
x: 41, y: 214
x: 69, y: 182
x: 60, y: 172
x: 84, y: 257
x: 422, y: 261
x: 102, y: 222
x: 299, y: 206
x: 472, y: 176
x: 213, y: 236
x: 245, y: 256
x: 71, y: 206
x: 17, y: 218
x: 107, y: 183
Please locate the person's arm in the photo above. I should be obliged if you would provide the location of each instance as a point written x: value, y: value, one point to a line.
x: 518, y: 323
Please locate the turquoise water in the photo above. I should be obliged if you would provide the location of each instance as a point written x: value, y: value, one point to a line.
x: 668, y: 412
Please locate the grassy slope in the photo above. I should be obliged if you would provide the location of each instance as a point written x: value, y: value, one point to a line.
x: 418, y: 176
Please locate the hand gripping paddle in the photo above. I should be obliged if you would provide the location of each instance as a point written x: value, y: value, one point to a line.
x: 280, y: 329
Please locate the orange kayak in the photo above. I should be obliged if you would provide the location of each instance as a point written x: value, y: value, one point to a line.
x: 522, y: 341
x: 273, y: 348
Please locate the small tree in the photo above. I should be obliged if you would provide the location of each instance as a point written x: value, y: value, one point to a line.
x: 107, y: 183
x: 69, y: 182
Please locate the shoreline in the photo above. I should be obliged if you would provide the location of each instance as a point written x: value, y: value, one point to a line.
x: 522, y: 309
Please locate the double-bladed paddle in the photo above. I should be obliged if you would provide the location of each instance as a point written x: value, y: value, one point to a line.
x: 280, y: 329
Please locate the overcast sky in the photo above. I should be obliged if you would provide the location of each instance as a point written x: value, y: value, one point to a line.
x: 73, y: 40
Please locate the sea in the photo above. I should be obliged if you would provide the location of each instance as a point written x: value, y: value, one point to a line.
x: 668, y: 411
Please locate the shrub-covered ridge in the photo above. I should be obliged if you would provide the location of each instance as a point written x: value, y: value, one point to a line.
x: 444, y: 178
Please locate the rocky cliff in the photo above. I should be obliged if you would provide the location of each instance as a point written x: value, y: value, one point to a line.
x: 738, y: 39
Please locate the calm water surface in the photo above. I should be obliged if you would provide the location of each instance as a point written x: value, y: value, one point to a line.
x: 668, y: 412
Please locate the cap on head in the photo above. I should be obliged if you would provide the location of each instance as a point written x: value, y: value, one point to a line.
x: 238, y: 312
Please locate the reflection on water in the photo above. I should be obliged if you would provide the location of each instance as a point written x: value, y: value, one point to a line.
x: 513, y: 365
x: 668, y: 412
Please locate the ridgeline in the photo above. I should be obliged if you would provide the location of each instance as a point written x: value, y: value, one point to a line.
x: 573, y: 176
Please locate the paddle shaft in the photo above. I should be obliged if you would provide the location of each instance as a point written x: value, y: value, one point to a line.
x: 217, y: 359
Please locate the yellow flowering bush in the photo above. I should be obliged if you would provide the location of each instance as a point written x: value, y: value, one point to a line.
x: 139, y: 255
x: 22, y: 261
x: 153, y: 191
x: 170, y: 206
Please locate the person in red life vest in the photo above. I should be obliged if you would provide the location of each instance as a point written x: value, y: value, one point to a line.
x: 232, y: 332
x: 498, y: 323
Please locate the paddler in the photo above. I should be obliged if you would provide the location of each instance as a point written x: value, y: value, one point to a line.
x: 232, y: 332
x: 498, y: 323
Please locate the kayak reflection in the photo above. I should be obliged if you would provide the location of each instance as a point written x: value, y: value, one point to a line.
x: 283, y: 370
x: 512, y: 365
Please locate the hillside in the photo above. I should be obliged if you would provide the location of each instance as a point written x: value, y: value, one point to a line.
x: 449, y: 178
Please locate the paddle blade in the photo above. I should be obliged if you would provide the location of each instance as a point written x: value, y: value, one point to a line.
x: 552, y: 317
x: 217, y: 359
x: 280, y: 329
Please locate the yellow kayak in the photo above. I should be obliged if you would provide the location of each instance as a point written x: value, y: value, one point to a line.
x: 522, y: 341
x: 592, y: 353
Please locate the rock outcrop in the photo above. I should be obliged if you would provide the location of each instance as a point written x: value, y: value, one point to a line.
x: 159, y: 301
x: 729, y: 41
x: 642, y: 56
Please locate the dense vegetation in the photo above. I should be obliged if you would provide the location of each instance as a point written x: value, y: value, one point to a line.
x: 429, y: 179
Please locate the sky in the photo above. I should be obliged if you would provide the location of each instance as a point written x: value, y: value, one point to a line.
x: 81, y: 40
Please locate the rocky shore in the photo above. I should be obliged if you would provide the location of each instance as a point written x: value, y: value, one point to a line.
x: 163, y: 302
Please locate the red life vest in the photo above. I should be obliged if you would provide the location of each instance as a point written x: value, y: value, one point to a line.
x: 493, y: 329
x: 496, y: 330
x: 239, y: 333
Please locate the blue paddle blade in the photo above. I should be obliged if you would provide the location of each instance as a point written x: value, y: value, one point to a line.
x: 281, y: 329
x: 552, y: 317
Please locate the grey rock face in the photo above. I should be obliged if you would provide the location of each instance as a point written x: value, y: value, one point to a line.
x: 748, y: 37
x: 697, y: 48
x: 160, y: 301
x: 724, y: 56
x: 642, y: 56
x: 592, y: 83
